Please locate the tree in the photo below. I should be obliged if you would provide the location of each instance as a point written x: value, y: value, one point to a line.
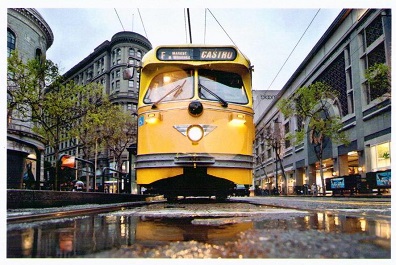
x: 118, y: 132
x: 312, y: 105
x: 379, y: 78
x: 37, y: 94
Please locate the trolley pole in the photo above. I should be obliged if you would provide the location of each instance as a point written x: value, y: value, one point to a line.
x: 189, y: 24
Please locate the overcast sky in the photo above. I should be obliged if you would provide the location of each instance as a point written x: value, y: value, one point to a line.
x: 266, y: 34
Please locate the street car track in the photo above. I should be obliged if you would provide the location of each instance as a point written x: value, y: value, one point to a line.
x: 95, y: 209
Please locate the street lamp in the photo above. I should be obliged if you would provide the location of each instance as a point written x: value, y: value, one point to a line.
x: 132, y: 187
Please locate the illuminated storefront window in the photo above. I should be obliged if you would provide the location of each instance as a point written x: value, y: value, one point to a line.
x: 380, y: 156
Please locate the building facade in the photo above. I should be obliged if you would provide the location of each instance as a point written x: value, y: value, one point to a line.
x: 105, y: 66
x: 31, y: 36
x: 356, y: 40
x: 262, y: 99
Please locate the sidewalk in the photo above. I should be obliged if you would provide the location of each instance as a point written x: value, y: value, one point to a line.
x: 372, y: 205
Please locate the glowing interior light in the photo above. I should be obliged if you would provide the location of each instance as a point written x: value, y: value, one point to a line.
x: 167, y: 79
x: 195, y: 133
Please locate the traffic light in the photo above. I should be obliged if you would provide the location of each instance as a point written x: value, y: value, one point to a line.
x: 67, y: 161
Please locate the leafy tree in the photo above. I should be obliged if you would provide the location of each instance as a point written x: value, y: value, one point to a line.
x: 275, y: 138
x: 379, y: 78
x: 108, y: 127
x: 37, y: 94
x: 312, y: 104
x: 118, y: 132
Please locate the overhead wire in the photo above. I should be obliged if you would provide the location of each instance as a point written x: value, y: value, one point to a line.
x: 119, y: 19
x: 221, y: 27
x: 288, y: 57
x: 189, y: 24
x: 141, y: 19
x: 295, y: 46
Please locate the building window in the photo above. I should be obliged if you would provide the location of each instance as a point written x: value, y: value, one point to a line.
x: 38, y: 55
x: 381, y: 156
x: 131, y: 52
x: 335, y: 76
x: 373, y: 51
x: 373, y: 32
x: 348, y: 75
x: 269, y: 153
x: 300, y: 123
x: 10, y: 42
x: 118, y: 84
x: 287, y: 130
x: 130, y: 83
x: 139, y: 54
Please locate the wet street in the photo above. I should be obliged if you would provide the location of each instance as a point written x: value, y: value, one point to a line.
x: 243, y: 227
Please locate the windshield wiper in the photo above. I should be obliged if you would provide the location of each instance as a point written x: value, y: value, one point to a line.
x: 178, y: 89
x: 222, y: 101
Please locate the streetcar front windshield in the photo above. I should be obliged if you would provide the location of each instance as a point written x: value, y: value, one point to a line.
x: 170, y: 86
x: 225, y: 85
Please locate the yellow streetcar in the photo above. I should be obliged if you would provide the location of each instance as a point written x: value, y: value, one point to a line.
x: 195, y: 121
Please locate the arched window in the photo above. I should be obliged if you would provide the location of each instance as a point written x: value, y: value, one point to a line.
x: 38, y: 55
x: 10, y: 42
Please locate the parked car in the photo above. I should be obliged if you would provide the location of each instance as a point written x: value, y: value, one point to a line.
x: 241, y: 190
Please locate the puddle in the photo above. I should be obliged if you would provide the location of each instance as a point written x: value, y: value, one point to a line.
x: 76, y: 237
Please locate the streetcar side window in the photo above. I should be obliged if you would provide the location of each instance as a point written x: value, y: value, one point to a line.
x: 170, y: 86
x: 228, y: 86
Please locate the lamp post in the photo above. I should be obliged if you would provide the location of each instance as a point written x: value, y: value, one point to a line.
x: 132, y: 187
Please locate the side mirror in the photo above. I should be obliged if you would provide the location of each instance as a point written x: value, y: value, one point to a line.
x: 128, y: 73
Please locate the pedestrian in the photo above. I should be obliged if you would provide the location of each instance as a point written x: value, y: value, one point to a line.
x: 314, y: 189
x: 28, y: 177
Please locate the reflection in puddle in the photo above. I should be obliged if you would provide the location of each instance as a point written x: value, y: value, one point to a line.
x: 93, y: 234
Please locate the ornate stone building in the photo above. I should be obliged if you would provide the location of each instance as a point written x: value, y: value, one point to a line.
x: 105, y: 66
x: 31, y: 36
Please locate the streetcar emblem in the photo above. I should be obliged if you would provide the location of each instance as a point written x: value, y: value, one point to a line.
x: 183, y: 128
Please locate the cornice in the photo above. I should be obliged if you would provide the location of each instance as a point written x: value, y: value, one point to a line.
x: 34, y: 16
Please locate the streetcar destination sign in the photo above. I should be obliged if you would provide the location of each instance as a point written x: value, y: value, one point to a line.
x: 196, y: 54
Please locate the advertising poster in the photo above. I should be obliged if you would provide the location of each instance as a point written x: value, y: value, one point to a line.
x: 337, y: 183
x: 383, y: 179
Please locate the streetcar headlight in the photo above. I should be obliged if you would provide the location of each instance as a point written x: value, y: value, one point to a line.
x: 195, y: 133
